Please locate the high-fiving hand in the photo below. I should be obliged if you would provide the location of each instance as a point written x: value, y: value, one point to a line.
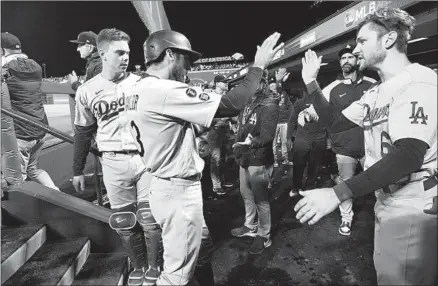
x: 265, y: 53
x: 315, y: 204
x: 311, y: 64
x: 281, y: 75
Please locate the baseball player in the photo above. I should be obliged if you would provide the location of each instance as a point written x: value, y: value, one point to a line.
x: 163, y: 125
x: 398, y: 115
x: 348, y: 145
x: 99, y: 109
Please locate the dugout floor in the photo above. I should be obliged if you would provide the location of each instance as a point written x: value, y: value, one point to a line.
x: 300, y: 254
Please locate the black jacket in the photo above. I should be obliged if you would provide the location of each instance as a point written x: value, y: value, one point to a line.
x: 24, y: 79
x: 312, y: 131
x: 259, y: 118
x: 92, y: 68
x: 285, y: 105
x: 341, y: 93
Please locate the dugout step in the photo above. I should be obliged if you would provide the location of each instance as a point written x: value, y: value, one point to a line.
x: 55, y: 263
x: 18, y: 245
x: 104, y: 269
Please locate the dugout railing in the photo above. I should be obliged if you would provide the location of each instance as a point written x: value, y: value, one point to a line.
x: 56, y: 88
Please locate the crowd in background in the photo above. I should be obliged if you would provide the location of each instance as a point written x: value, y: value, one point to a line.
x: 216, y: 66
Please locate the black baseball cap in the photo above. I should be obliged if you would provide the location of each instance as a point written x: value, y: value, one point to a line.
x: 10, y: 41
x: 219, y: 78
x: 87, y: 37
x: 348, y: 49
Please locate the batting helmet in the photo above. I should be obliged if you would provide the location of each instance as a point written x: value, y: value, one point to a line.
x: 159, y: 41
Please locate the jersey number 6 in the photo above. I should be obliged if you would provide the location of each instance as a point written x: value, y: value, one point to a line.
x: 134, y: 128
x: 386, y: 146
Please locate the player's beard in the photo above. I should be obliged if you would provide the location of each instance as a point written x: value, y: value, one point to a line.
x: 348, y: 69
x: 178, y: 73
x: 375, y: 58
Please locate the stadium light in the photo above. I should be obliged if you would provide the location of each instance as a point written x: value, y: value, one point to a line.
x: 417, y: 40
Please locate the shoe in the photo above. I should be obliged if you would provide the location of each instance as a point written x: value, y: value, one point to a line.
x: 275, y: 164
x: 243, y: 231
x: 345, y: 228
x: 259, y: 244
x: 136, y: 277
x: 227, y: 185
x: 219, y: 191
x: 151, y: 276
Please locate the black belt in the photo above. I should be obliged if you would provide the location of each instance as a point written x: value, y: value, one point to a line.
x: 126, y: 152
x: 430, y: 183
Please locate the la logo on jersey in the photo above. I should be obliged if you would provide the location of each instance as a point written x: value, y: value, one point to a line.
x: 418, y: 113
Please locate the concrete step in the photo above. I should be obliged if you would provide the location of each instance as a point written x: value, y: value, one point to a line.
x: 18, y: 245
x: 55, y: 263
x: 104, y: 269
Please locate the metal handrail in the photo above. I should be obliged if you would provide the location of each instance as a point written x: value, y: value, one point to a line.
x: 16, y: 115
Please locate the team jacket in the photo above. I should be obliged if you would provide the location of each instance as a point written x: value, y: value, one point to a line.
x: 259, y: 118
x: 93, y: 67
x: 312, y: 131
x: 285, y: 105
x: 24, y: 78
x: 340, y: 94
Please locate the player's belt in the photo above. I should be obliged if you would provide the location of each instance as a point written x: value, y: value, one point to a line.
x: 126, y: 152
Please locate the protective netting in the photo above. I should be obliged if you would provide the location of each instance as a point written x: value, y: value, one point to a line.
x: 152, y: 14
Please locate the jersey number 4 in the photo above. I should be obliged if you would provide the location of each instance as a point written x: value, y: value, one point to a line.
x: 136, y: 133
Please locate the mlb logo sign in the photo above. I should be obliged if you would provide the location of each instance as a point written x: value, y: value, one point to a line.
x: 349, y: 18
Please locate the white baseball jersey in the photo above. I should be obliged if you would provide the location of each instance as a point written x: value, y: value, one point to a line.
x: 404, y: 106
x: 102, y: 101
x: 163, y: 114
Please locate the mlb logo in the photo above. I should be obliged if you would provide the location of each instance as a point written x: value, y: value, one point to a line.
x: 349, y: 18
x: 204, y: 97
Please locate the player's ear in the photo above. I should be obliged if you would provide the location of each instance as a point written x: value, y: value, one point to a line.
x: 389, y: 39
x: 171, y: 55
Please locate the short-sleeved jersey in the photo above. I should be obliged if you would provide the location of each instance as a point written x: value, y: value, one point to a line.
x: 404, y: 106
x: 102, y: 101
x: 163, y: 114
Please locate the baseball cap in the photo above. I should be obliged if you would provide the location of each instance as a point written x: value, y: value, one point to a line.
x: 87, y: 37
x: 348, y: 49
x: 10, y: 41
x: 219, y: 78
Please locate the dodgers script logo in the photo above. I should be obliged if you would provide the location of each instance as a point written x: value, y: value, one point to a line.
x: 105, y: 110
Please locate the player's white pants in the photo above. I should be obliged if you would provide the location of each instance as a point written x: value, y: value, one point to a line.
x: 176, y: 205
x: 405, y: 238
x: 346, y: 167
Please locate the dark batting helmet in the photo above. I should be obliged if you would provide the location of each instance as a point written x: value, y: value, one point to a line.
x: 159, y: 41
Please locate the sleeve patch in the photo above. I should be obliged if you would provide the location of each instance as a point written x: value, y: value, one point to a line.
x: 204, y: 96
x: 191, y: 92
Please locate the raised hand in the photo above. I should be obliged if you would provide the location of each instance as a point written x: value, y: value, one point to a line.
x: 265, y: 53
x: 311, y: 64
x: 281, y: 75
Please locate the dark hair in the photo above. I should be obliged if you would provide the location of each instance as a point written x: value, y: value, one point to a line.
x: 386, y: 19
x: 107, y: 36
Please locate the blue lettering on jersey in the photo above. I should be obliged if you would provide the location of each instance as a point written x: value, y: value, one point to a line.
x: 131, y: 102
x: 107, y: 110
